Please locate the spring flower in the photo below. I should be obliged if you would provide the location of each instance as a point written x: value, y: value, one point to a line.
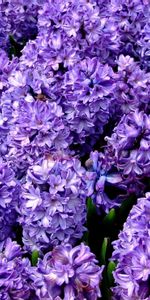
x: 67, y: 271
x: 14, y: 273
x: 131, y: 251
x: 53, y: 202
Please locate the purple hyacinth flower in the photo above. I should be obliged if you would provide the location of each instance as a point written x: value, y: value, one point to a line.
x: 15, y: 282
x: 129, y: 144
x: 67, y: 271
x: 53, y: 202
x: 132, y: 252
x: 100, y: 177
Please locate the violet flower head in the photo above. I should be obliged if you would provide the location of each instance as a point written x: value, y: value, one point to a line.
x: 87, y: 89
x: 132, y: 18
x: 132, y: 89
x: 104, y: 183
x: 37, y: 127
x: 129, y: 148
x: 132, y: 252
x: 18, y: 21
x: 85, y: 26
x: 53, y: 202
x: 68, y: 273
x: 38, y: 121
x: 14, y: 274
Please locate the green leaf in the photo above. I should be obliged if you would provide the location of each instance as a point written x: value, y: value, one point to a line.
x: 110, y: 217
x: 91, y: 209
x: 103, y: 252
x: 105, y: 288
x: 34, y: 257
x: 110, y: 268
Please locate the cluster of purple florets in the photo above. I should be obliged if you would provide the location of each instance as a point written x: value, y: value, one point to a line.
x: 132, y: 250
x: 74, y: 126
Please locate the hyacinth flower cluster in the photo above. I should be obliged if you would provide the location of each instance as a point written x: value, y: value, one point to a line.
x: 72, y: 272
x: 132, y: 88
x: 18, y: 23
x: 52, y: 203
x: 125, y: 164
x: 74, y: 149
x: 58, y: 65
x: 68, y: 273
x: 37, y: 128
x: 129, y: 146
x: 102, y: 177
x: 87, y: 89
x: 15, y: 282
x: 132, y: 253
x: 133, y: 28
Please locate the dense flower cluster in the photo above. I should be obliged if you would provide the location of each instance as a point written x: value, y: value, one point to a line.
x: 14, y: 273
x: 132, y: 18
x: 68, y: 273
x: 70, y: 63
x: 6, y: 66
x: 129, y: 144
x: 132, y: 251
x: 102, y: 177
x: 74, y: 128
x: 87, y: 89
x: 132, y: 89
x: 52, y: 202
x: 37, y: 128
x: 125, y: 164
x: 18, y: 22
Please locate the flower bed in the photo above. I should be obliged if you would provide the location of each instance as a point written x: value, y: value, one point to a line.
x: 74, y: 150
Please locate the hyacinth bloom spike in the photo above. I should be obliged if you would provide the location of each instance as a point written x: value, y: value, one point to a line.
x: 100, y: 175
x: 15, y: 282
x: 53, y: 202
x: 132, y: 253
x: 72, y: 272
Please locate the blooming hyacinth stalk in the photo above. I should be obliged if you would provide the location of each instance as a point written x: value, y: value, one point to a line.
x: 37, y: 126
x: 132, y: 18
x: 15, y: 283
x: 87, y: 89
x: 100, y: 177
x: 132, y: 88
x: 124, y: 166
x: 53, y: 202
x: 68, y: 273
x: 132, y: 252
x: 128, y: 147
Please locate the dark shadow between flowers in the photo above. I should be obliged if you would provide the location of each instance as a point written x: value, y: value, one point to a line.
x: 102, y: 230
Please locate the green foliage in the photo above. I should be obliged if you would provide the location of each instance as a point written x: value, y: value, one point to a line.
x: 102, y: 229
x: 110, y: 268
x: 104, y: 249
x: 34, y: 257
